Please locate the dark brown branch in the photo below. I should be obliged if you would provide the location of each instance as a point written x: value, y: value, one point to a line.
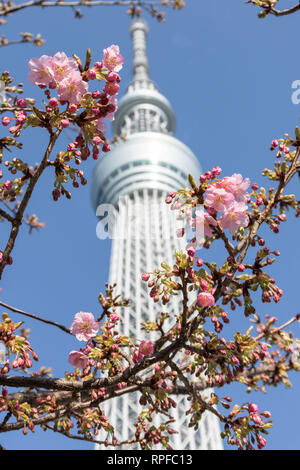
x: 35, y: 317
x: 6, y: 216
x: 191, y: 390
x: 7, y: 10
x: 276, y: 330
x: 17, y: 221
x: 13, y: 109
x: 273, y: 11
x: 288, y: 11
x: 81, y: 438
x: 243, y: 246
x: 63, y: 384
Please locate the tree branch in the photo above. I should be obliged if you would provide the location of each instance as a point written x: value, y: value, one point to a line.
x: 35, y: 317
x: 17, y: 221
x: 81, y: 438
x: 6, y: 216
x: 273, y: 11
x: 6, y: 10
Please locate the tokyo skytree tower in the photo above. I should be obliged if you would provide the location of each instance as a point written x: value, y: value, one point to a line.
x: 135, y: 177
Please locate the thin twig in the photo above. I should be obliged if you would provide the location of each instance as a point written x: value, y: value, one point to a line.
x: 36, y: 317
x: 193, y: 392
x: 6, y: 216
x: 7, y: 10
x: 276, y: 330
x: 273, y: 11
x: 20, y: 212
x: 81, y: 438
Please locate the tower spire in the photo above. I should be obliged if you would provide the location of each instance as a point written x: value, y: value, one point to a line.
x: 140, y: 67
x: 143, y: 108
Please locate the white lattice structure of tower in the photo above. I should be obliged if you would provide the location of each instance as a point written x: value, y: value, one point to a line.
x: 135, y: 177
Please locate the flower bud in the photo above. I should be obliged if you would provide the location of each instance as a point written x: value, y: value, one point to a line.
x: 106, y: 148
x: 92, y: 74
x: 53, y: 102
x: 252, y: 407
x: 5, y: 121
x: 65, y: 123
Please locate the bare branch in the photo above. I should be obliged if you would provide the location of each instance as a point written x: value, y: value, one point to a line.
x: 6, y: 9
x: 81, y: 438
x: 276, y: 330
x: 20, y: 212
x: 6, y: 216
x: 268, y: 8
x: 35, y: 317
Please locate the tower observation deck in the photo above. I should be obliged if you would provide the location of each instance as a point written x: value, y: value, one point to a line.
x: 135, y: 177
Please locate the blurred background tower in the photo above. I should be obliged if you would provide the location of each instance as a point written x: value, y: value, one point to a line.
x: 135, y: 177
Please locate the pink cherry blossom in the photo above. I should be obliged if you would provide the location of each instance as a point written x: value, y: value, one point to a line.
x: 236, y: 185
x: 84, y: 326
x: 78, y: 359
x: 111, y: 88
x: 216, y: 170
x: 62, y: 66
x: 7, y: 184
x: 218, y: 199
x: 40, y: 70
x: 112, y: 59
x: 146, y: 348
x: 114, y: 101
x: 137, y: 356
x: 72, y: 88
x: 101, y: 126
x: 235, y: 217
x: 240, y: 193
x: 228, y: 183
x: 205, y: 299
x: 202, y: 223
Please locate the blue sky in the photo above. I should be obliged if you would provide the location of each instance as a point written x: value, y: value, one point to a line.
x: 228, y: 76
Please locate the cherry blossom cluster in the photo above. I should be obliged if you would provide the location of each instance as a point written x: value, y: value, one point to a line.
x: 145, y: 349
x: 16, y: 345
x: 84, y: 327
x: 75, y: 104
x: 257, y: 427
x: 227, y: 195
